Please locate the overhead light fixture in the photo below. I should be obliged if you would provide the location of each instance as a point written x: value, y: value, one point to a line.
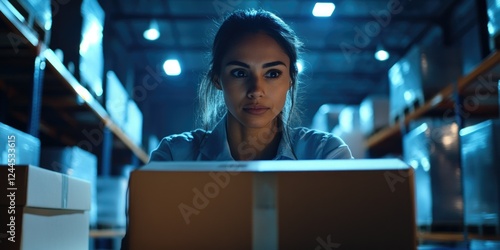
x: 381, y: 54
x: 153, y: 32
x: 323, y: 9
x: 172, y: 67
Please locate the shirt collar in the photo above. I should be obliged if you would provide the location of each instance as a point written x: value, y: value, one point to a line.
x: 215, y: 147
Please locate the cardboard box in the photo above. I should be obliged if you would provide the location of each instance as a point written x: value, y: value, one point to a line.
x: 77, y: 30
x: 134, y: 122
x: 374, y: 114
x: 75, y: 162
x: 42, y: 209
x: 425, y: 70
x: 272, y: 205
x: 480, y: 160
x: 349, y: 130
x: 116, y: 99
x: 432, y: 149
x: 493, y: 21
x: 111, y: 197
x: 26, y: 148
x: 327, y: 117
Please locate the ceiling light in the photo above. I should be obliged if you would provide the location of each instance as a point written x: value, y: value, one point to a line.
x: 153, y: 32
x: 381, y: 54
x: 323, y: 9
x: 172, y: 67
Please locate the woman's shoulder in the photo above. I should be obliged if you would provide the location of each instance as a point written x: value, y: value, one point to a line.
x: 186, y: 137
x: 179, y: 146
x: 319, y: 144
x: 307, y: 134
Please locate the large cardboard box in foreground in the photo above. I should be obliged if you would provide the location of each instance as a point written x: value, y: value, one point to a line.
x: 42, y: 209
x: 327, y: 204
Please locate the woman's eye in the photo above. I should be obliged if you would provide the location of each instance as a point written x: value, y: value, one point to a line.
x: 273, y: 74
x: 238, y: 73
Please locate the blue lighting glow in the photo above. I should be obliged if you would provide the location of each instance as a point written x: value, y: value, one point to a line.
x: 172, y: 67
x: 323, y: 9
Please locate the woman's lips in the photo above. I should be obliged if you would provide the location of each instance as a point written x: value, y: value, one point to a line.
x: 256, y: 110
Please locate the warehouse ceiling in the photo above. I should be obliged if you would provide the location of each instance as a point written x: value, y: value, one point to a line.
x: 340, y: 67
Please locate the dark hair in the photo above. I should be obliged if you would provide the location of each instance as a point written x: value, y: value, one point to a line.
x: 233, y: 28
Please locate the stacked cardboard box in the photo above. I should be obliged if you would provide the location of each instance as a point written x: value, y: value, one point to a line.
x: 42, y: 209
x: 374, y: 114
x: 116, y: 99
x: 77, y: 163
x: 26, y: 148
x: 111, y: 196
x: 122, y: 109
x: 493, y: 7
x: 480, y: 159
x: 425, y: 70
x: 432, y: 149
x: 77, y: 30
x: 349, y: 130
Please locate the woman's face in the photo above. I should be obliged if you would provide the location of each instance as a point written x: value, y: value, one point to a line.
x: 255, y: 78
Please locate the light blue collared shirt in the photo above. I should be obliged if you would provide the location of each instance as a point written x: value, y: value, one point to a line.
x: 201, y: 145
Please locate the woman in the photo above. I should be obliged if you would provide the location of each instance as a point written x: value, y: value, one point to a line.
x: 248, y: 99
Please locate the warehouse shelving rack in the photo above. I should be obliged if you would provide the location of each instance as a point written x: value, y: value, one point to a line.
x: 40, y: 96
x: 442, y: 101
x: 59, y: 106
x: 449, y: 99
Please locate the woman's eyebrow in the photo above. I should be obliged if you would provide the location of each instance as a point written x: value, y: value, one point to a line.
x: 271, y: 64
x: 266, y: 65
x: 238, y: 63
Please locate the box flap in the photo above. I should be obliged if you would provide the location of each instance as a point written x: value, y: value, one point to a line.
x: 279, y: 166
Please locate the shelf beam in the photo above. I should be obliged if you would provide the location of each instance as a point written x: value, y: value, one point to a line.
x: 60, y: 70
x: 394, y: 130
x: 15, y: 19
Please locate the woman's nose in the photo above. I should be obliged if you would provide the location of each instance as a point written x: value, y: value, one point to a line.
x: 256, y: 87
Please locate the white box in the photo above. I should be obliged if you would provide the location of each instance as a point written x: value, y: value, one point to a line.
x: 419, y: 75
x: 26, y: 146
x: 42, y: 209
x: 374, y: 114
x: 349, y: 130
x: 327, y: 117
x: 111, y: 197
x: 116, y: 99
x: 133, y: 124
x: 77, y: 163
